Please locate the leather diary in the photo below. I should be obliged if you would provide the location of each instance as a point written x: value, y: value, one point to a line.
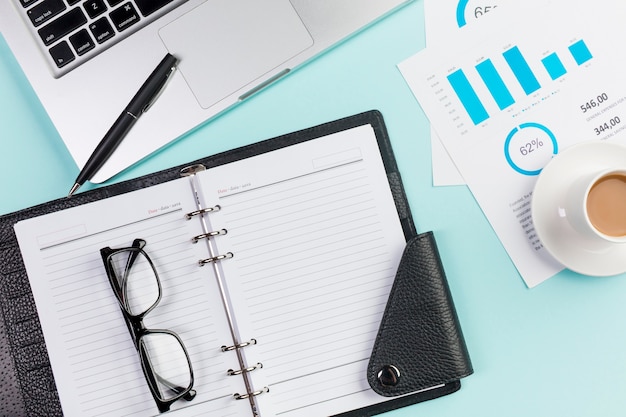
x: 419, y: 351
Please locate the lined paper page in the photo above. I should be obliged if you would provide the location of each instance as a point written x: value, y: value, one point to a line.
x: 93, y: 358
x: 316, y: 241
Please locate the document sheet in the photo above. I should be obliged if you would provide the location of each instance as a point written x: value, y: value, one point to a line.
x: 508, y: 94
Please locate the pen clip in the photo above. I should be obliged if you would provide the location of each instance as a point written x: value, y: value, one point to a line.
x: 168, y: 77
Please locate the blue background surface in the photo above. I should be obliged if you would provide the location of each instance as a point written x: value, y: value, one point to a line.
x: 555, y: 350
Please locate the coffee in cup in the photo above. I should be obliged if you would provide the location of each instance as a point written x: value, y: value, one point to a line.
x: 606, y: 204
x: 596, y: 205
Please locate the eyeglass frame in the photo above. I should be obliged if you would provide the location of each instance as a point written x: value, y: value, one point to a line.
x: 136, y: 326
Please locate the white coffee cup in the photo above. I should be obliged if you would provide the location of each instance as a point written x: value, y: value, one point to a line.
x: 578, y: 220
x: 595, y: 205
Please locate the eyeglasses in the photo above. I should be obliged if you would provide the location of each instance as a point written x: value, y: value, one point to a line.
x: 164, y: 358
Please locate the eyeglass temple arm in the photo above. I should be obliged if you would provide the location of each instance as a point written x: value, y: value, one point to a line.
x: 106, y: 252
x: 175, y: 388
x: 138, y: 244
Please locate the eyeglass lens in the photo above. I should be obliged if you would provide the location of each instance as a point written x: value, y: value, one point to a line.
x: 165, y: 355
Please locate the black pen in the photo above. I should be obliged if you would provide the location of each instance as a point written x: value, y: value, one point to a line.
x: 139, y: 104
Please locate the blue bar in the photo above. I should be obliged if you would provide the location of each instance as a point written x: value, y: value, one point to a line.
x: 580, y: 52
x: 554, y: 66
x: 494, y: 83
x: 521, y: 70
x: 468, y: 97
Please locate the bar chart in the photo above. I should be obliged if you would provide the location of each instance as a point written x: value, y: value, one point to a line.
x: 515, y: 62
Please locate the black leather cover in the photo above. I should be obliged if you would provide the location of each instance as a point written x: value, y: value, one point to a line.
x: 419, y: 343
x: 27, y: 385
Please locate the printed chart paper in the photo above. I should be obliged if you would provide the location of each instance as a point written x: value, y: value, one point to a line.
x: 507, y: 95
x: 444, y: 18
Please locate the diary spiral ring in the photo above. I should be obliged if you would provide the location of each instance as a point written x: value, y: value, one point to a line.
x: 213, y: 259
x: 248, y: 369
x: 195, y: 239
x: 252, y: 394
x: 202, y: 211
x: 239, y: 346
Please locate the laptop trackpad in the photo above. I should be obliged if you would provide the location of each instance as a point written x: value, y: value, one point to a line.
x: 225, y: 45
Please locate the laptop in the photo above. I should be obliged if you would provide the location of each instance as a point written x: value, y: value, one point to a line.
x: 85, y: 59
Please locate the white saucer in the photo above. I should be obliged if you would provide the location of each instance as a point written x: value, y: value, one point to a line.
x: 554, y: 230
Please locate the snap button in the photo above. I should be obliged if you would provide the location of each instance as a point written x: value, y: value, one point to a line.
x: 389, y: 376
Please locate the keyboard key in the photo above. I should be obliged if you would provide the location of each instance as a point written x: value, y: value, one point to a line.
x: 94, y: 8
x: 26, y: 3
x: 45, y: 10
x: 102, y: 30
x: 73, y: 2
x: 124, y: 17
x: 114, y: 3
x: 82, y: 42
x: 62, y: 54
x: 147, y: 7
x: 60, y: 27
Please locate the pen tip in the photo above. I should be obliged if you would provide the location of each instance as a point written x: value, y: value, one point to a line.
x: 73, y: 190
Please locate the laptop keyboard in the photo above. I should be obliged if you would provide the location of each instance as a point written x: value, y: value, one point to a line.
x: 73, y: 31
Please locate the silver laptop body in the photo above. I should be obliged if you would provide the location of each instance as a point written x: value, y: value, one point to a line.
x: 228, y: 49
